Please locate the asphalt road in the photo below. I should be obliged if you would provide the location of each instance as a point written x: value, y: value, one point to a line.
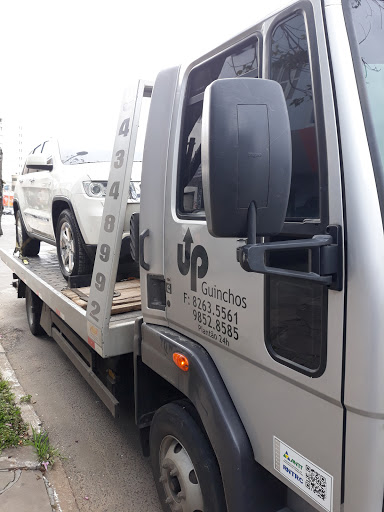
x: 103, y: 458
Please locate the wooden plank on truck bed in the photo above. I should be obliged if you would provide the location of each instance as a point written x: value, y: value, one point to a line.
x: 127, y: 296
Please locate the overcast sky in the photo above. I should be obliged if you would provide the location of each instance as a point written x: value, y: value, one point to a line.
x: 62, y: 61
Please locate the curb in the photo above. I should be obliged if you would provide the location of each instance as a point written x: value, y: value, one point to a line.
x: 27, y: 412
x: 23, y: 458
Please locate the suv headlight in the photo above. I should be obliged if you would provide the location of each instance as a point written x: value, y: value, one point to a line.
x: 95, y: 188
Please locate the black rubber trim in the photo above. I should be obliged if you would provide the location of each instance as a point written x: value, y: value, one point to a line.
x: 247, y: 485
x: 91, y: 251
x: 68, y: 202
x: 258, y: 36
x: 345, y: 267
x: 378, y: 170
x: 306, y: 9
x: 16, y: 206
x: 142, y: 261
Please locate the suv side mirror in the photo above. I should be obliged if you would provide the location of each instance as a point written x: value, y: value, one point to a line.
x: 246, y: 156
x: 38, y: 162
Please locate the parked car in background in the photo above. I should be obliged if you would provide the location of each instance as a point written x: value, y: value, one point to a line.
x: 59, y: 200
x: 7, y: 200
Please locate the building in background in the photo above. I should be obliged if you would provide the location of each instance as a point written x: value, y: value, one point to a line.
x: 13, y: 146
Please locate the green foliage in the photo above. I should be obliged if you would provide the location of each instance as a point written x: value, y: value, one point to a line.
x: 12, y: 427
x: 26, y: 399
x: 44, y: 449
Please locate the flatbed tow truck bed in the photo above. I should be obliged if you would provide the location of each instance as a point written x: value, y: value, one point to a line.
x: 43, y: 276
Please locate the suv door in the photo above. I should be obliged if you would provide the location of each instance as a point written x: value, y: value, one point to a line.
x: 26, y: 197
x: 277, y: 341
x: 37, y: 187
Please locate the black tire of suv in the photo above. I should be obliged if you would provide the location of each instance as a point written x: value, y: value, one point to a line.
x: 28, y: 246
x: 82, y: 264
x: 33, y: 306
x: 173, y: 424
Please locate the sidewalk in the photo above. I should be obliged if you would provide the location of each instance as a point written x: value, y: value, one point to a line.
x: 24, y: 487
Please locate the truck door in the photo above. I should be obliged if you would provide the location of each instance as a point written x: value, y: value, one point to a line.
x: 277, y: 341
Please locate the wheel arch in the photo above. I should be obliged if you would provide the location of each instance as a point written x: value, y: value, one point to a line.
x: 251, y: 486
x: 16, y: 206
x: 59, y: 204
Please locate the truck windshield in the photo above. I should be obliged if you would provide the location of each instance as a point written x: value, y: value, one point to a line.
x: 368, y: 25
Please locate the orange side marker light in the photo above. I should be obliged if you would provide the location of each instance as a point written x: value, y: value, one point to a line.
x: 181, y: 361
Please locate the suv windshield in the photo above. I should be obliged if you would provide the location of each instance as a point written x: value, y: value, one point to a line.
x: 77, y: 153
x: 368, y: 24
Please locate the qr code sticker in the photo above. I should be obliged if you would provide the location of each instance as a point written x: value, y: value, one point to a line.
x: 315, y: 482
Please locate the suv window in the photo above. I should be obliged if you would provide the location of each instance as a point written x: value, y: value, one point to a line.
x: 34, y: 151
x: 239, y: 61
x: 47, y: 151
x: 296, y: 310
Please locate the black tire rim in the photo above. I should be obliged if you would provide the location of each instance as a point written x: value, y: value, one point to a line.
x: 178, y: 476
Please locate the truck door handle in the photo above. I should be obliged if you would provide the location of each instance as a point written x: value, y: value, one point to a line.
x: 31, y: 180
x: 21, y: 181
x: 142, y: 237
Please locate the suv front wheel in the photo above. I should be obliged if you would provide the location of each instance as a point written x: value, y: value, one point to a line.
x: 72, y: 257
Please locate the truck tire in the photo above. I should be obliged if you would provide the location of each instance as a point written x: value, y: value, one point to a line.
x: 33, y: 306
x: 28, y: 246
x: 72, y: 257
x: 184, y: 465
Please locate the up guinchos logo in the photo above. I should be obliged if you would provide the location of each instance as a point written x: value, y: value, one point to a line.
x: 195, y: 261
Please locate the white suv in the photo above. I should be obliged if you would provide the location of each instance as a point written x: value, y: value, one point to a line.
x: 59, y: 200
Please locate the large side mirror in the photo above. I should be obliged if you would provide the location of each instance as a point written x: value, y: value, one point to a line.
x: 246, y: 156
x: 38, y: 162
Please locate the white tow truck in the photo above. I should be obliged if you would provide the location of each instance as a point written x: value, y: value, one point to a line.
x: 253, y: 339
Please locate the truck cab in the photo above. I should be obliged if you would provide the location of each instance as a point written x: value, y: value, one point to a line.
x: 252, y: 341
x: 299, y: 356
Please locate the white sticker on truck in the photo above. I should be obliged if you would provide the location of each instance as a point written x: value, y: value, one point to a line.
x: 304, y: 474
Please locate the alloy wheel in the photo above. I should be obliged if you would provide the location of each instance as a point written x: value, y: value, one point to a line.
x: 67, y: 247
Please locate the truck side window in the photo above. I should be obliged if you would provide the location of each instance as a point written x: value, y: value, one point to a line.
x: 290, y: 66
x: 239, y: 61
x: 296, y: 310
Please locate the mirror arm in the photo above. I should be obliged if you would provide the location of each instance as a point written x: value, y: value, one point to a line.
x: 251, y: 222
x: 325, y: 260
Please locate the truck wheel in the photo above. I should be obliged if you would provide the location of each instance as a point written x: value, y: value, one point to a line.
x: 33, y: 306
x: 72, y: 257
x: 184, y: 465
x: 28, y: 246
